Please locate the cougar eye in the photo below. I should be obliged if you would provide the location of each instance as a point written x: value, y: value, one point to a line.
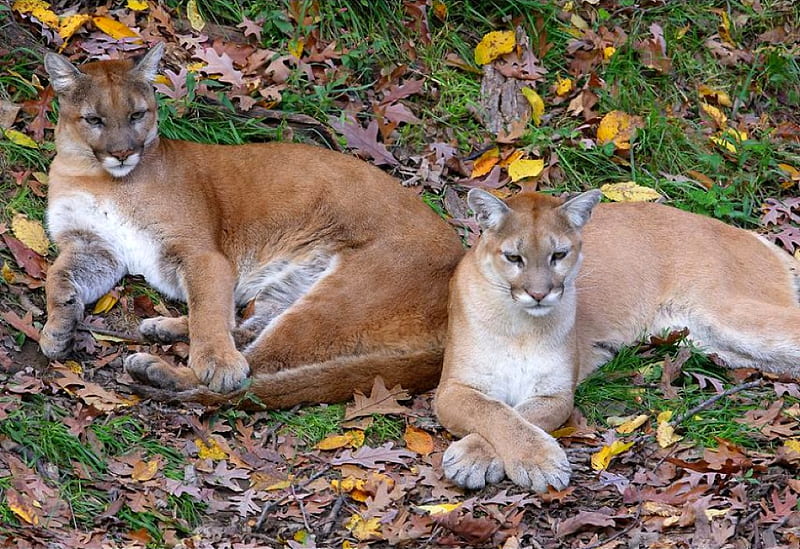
x: 558, y: 256
x: 93, y: 120
x: 512, y: 258
x: 138, y: 115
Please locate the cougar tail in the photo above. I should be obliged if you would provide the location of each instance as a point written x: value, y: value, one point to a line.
x: 331, y: 381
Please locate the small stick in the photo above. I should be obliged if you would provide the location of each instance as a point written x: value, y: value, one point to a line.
x: 707, y: 403
x: 331, y: 518
x: 270, y: 504
x: 625, y: 530
x: 302, y: 508
x: 127, y: 336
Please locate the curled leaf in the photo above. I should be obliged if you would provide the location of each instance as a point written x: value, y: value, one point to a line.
x: 19, y: 138
x: 665, y: 434
x: 193, y: 15
x: 485, y: 162
x: 633, y: 424
x: 105, y: 303
x: 493, y: 45
x: 602, y: 458
x: 439, y: 508
x: 618, y: 127
x: 564, y: 86
x: 537, y: 105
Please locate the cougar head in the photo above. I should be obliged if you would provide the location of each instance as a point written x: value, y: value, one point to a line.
x: 107, y: 109
x: 530, y: 249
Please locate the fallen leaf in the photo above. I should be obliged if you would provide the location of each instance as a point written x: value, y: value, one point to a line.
x: 364, y: 528
x: 665, y: 434
x: 602, y: 458
x: 19, y: 138
x: 628, y: 191
x: 729, y: 139
x: 24, y: 324
x: 145, y: 470
x: 212, y: 450
x: 439, y: 508
x: 105, y: 303
x: 493, y: 45
x: 716, y: 114
x: 618, y: 127
x: 537, y: 105
x: 380, y: 401
x: 369, y: 457
x: 113, y: 28
x: 721, y: 97
x: 564, y: 86
x: 137, y: 5
x: 353, y: 439
x: 485, y: 162
x: 193, y: 15
x: 418, y: 441
x: 581, y: 519
x: 71, y: 24
x: 38, y: 9
x: 520, y: 169
x: 633, y: 424
x: 363, y: 140
x: 22, y: 506
x: 793, y: 445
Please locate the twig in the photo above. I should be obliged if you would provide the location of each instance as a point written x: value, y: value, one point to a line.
x: 330, y: 520
x: 707, y: 403
x: 127, y: 336
x: 270, y: 504
x: 302, y: 508
x: 624, y: 530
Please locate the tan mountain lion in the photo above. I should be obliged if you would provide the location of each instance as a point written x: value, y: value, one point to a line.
x: 546, y: 296
x: 348, y: 269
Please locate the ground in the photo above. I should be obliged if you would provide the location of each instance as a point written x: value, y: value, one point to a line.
x: 694, y: 104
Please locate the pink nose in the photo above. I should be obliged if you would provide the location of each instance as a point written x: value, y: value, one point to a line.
x: 121, y: 155
x: 537, y: 296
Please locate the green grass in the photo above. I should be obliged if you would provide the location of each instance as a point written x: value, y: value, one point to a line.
x: 45, y: 442
x: 630, y: 384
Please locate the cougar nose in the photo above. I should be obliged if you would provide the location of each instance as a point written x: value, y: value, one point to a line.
x: 121, y: 155
x: 537, y: 296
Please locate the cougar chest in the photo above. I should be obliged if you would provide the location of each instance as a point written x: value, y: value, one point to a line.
x: 137, y: 248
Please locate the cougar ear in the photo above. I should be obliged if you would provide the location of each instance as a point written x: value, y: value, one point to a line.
x: 63, y: 74
x: 148, y: 65
x: 489, y: 210
x: 579, y: 209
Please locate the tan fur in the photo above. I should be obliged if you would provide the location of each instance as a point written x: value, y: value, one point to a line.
x: 510, y: 365
x: 348, y: 269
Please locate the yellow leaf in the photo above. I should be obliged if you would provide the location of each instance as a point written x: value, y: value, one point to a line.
x: 630, y: 426
x: 296, y: 48
x: 137, y: 5
x: 720, y: 96
x: 144, y: 470
x: 364, y: 529
x: 520, y: 169
x: 353, y: 439
x: 513, y: 157
x: 564, y: 86
x: 537, y: 105
x: 280, y: 485
x: 31, y: 233
x: 728, y: 139
x: 439, y: 508
x: 21, y: 139
x: 8, y: 273
x: 440, y: 9
x: 24, y: 510
x: 628, y: 191
x: 711, y: 514
x: 793, y: 445
x: 618, y: 127
x: 682, y: 32
x: 493, y: 45
x: 74, y: 367
x: 602, y: 458
x: 716, y: 114
x: 665, y: 434
x: 563, y: 432
x: 114, y: 29
x: 418, y: 441
x: 46, y: 16
x: 194, y: 67
x: 105, y: 304
x: 579, y: 22
x: 485, y: 162
x: 608, y: 52
x: 106, y: 337
x: 193, y: 14
x: 70, y: 24
x: 212, y: 450
x: 791, y: 171
x: 724, y: 28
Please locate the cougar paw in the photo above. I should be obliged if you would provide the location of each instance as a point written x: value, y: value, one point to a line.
x: 222, y: 370
x: 55, y: 344
x: 151, y: 370
x: 471, y: 463
x: 165, y: 329
x: 538, y: 465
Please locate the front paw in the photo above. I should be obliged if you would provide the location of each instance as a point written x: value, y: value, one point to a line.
x: 55, y: 344
x: 165, y: 329
x: 537, y: 464
x: 471, y: 463
x: 222, y: 371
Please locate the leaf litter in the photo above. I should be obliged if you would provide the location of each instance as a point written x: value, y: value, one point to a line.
x: 250, y: 479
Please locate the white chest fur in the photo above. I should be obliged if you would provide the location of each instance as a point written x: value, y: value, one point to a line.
x: 134, y: 247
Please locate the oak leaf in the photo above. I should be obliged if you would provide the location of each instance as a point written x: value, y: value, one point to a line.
x: 370, y: 458
x: 380, y: 401
x: 364, y: 140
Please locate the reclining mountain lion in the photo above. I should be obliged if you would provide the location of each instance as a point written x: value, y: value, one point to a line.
x: 547, y: 295
x: 349, y: 271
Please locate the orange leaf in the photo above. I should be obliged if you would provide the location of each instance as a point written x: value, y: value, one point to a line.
x: 145, y: 470
x: 485, y: 162
x: 114, y: 29
x: 418, y: 441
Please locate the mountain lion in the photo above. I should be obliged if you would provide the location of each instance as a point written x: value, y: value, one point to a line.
x: 348, y: 270
x: 542, y: 300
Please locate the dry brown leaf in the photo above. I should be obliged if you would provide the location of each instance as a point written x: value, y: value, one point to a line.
x: 380, y: 401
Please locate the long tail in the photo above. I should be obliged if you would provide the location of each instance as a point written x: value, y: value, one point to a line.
x: 329, y: 382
